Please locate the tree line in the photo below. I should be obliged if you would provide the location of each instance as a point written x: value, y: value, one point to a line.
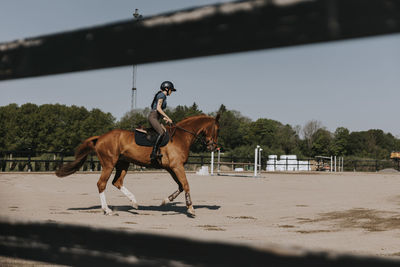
x: 55, y: 127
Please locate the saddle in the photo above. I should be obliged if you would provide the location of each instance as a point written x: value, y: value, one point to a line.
x: 148, y: 137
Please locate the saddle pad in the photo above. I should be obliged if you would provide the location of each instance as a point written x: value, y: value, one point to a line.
x: 141, y: 139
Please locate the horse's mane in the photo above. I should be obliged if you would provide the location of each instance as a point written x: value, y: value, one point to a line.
x: 189, y: 119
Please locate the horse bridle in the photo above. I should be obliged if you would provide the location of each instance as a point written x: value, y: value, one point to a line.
x: 196, y: 136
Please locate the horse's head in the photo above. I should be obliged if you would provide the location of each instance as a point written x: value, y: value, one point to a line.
x: 202, y: 127
x: 211, y: 134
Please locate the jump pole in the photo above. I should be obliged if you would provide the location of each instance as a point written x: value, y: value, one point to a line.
x: 259, y: 159
x: 212, y: 163
x: 257, y: 163
x: 256, y: 160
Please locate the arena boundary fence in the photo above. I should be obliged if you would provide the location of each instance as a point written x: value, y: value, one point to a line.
x: 48, y: 161
x: 84, y: 246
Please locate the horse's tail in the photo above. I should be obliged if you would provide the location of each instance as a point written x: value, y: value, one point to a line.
x: 81, y: 154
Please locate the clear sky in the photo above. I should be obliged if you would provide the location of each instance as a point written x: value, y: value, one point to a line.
x: 353, y: 84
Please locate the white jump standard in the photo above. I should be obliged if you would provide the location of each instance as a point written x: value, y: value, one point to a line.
x: 256, y: 164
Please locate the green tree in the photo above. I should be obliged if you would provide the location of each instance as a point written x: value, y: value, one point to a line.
x: 378, y: 144
x: 98, y: 122
x: 356, y: 144
x: 309, y: 130
x: 321, y: 142
x: 287, y: 139
x: 134, y: 119
x: 50, y: 127
x: 180, y: 112
x: 340, y: 141
x: 9, y: 126
x: 263, y: 132
x: 232, y: 126
x: 59, y: 127
x: 27, y: 120
x: 371, y: 144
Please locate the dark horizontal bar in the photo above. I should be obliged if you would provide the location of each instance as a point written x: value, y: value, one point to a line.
x: 85, y: 246
x: 204, y: 31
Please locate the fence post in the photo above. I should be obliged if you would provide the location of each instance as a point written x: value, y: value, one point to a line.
x: 29, y: 160
x: 342, y: 164
x: 335, y: 163
x: 219, y: 159
x: 91, y: 163
x: 62, y: 158
x: 201, y: 160
x: 3, y: 165
x: 376, y: 165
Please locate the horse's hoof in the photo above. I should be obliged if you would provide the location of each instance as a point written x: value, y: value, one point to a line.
x: 165, y: 202
x: 135, y: 205
x: 108, y: 212
x: 191, y: 212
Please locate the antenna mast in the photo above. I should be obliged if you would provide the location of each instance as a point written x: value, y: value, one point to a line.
x: 136, y: 17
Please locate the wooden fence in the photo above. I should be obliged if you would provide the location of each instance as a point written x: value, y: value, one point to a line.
x: 85, y: 246
x: 49, y: 161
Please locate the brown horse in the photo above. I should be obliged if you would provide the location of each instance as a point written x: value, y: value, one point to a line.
x: 118, y: 149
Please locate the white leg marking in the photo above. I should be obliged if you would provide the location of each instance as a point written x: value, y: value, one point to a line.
x: 130, y: 196
x: 165, y: 201
x: 104, y: 205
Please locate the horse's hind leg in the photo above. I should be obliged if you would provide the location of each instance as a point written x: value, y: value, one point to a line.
x: 121, y: 170
x: 101, y: 185
x: 177, y: 192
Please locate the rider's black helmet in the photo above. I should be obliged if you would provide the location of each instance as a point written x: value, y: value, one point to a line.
x: 167, y: 85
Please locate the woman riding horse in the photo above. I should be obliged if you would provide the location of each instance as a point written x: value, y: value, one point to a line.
x: 157, y: 110
x: 117, y: 149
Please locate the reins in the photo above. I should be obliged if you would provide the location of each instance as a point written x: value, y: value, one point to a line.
x: 174, y: 126
x: 185, y: 130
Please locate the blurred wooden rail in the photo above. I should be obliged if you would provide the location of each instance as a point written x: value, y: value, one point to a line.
x: 84, y: 246
x: 203, y: 31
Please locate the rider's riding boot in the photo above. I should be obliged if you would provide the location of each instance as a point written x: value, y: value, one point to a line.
x: 154, y: 154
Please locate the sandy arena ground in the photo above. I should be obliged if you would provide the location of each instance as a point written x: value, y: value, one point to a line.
x: 343, y: 212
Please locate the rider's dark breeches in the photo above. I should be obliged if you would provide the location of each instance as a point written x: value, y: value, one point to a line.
x: 154, y: 121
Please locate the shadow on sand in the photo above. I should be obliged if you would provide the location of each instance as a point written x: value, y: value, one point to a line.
x: 171, y: 208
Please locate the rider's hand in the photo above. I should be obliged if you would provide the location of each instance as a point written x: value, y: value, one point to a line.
x: 168, y: 120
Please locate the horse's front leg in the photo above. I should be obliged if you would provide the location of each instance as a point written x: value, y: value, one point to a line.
x: 181, y: 176
x: 189, y: 204
x: 171, y: 197
x: 175, y: 194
